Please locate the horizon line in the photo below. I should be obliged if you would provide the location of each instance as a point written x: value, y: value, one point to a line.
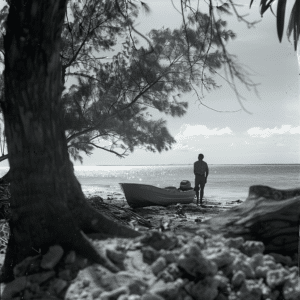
x: 192, y: 164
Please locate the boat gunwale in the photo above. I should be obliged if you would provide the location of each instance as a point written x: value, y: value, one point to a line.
x: 155, y: 188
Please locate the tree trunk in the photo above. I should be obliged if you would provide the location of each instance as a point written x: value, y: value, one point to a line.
x: 48, y: 206
x: 5, y: 179
x: 268, y: 215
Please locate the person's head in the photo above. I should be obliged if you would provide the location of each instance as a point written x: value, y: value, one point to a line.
x: 200, y: 156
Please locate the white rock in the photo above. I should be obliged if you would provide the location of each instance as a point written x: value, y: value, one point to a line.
x: 238, y: 279
x: 276, y: 277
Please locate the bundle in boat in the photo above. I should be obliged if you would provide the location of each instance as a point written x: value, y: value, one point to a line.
x: 268, y: 215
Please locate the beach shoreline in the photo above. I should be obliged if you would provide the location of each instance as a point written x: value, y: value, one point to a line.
x: 160, y: 217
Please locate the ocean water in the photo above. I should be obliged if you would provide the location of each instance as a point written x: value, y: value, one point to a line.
x: 225, y: 182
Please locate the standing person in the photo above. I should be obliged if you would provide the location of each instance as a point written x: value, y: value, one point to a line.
x: 201, y: 173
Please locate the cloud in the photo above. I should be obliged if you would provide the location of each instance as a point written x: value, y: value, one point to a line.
x: 187, y: 131
x: 267, y: 132
x: 182, y: 148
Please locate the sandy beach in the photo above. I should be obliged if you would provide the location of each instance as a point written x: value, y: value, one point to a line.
x: 168, y: 216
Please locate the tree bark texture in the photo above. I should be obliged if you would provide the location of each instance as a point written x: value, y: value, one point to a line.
x: 47, y: 202
x: 268, y: 215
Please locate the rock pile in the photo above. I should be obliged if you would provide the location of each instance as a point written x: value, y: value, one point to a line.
x: 159, y: 266
x: 42, y: 276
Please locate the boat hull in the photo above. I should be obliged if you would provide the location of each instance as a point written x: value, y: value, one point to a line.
x: 142, y: 195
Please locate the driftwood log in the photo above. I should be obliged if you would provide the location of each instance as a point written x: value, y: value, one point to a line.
x: 268, y: 215
x: 117, y: 213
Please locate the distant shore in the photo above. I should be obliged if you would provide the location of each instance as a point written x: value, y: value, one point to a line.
x: 274, y: 164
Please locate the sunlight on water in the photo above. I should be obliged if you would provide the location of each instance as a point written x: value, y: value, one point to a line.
x: 225, y: 182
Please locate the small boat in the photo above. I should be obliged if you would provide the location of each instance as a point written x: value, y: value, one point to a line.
x: 141, y: 195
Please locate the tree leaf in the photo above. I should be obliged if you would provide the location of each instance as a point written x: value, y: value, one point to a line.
x: 294, y: 23
x: 146, y: 7
x: 224, y: 8
x: 280, y: 17
x: 265, y: 4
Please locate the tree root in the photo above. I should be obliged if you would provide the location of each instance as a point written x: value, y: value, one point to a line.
x: 48, y: 224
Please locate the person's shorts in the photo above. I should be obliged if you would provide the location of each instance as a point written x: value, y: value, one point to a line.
x: 200, y: 180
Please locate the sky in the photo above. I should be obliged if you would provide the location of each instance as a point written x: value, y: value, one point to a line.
x: 268, y: 132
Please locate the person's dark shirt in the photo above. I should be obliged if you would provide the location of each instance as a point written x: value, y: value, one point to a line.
x: 200, y: 168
